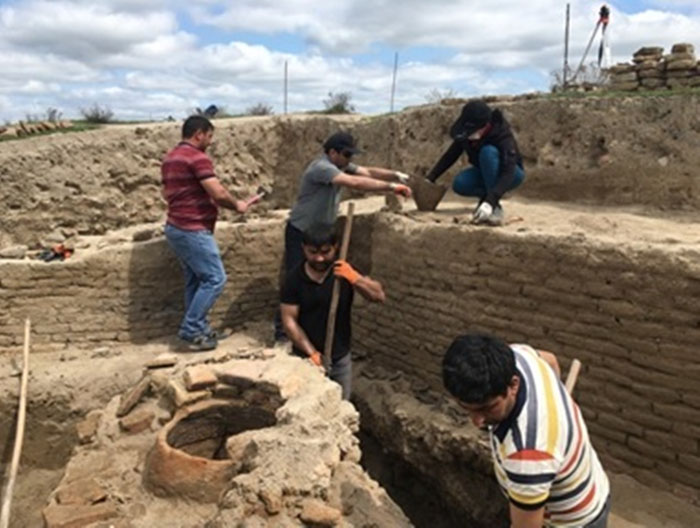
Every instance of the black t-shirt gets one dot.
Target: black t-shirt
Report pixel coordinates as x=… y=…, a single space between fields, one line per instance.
x=314 y=301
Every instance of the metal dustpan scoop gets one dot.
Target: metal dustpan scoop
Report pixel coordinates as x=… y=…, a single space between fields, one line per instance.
x=427 y=194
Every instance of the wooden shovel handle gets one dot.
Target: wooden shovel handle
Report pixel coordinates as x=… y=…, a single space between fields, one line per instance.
x=332 y=312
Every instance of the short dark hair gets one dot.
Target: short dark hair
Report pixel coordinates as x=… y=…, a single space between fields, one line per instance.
x=194 y=124
x=319 y=235
x=477 y=367
x=341 y=142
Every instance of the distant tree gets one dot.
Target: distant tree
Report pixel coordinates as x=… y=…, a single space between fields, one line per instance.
x=436 y=96
x=53 y=114
x=259 y=109
x=338 y=103
x=97 y=114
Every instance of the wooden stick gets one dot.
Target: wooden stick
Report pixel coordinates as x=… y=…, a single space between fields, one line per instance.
x=332 y=312
x=19 y=435
x=572 y=376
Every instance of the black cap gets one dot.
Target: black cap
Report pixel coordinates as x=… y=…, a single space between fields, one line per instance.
x=341 y=142
x=475 y=115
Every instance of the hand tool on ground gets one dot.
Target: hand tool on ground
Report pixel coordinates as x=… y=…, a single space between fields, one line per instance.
x=19 y=434
x=332 y=312
x=572 y=376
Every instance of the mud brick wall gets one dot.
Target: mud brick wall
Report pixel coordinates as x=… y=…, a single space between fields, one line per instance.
x=134 y=292
x=631 y=315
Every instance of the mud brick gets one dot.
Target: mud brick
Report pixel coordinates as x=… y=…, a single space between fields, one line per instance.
x=679 y=474
x=84 y=491
x=686 y=415
x=181 y=396
x=689 y=461
x=317 y=513
x=77 y=516
x=137 y=421
x=199 y=377
x=87 y=429
x=130 y=399
x=647 y=419
x=164 y=360
x=649 y=450
x=672 y=442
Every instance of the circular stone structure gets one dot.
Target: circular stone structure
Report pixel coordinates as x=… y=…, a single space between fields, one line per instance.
x=190 y=459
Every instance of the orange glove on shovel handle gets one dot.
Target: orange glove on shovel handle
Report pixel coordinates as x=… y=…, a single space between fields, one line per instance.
x=316 y=359
x=343 y=270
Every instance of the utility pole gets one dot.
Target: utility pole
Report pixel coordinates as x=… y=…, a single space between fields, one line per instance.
x=566 y=47
x=393 y=81
x=286 y=84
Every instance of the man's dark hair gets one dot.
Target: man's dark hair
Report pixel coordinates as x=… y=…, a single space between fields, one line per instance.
x=477 y=367
x=194 y=124
x=319 y=235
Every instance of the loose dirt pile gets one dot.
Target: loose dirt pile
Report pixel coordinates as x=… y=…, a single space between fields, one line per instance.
x=599 y=151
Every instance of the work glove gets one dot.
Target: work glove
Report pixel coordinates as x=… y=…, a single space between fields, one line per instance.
x=482 y=213
x=400 y=189
x=343 y=270
x=402 y=177
x=316 y=359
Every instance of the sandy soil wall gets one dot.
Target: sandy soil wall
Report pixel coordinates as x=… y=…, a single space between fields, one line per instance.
x=598 y=151
x=132 y=292
x=631 y=316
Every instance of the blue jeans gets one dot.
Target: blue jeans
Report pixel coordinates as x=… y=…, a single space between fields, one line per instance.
x=204 y=273
x=478 y=181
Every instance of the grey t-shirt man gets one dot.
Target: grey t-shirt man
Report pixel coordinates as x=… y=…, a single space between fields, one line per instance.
x=318 y=199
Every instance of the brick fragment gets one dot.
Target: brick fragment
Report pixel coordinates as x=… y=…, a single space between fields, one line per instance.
x=199 y=377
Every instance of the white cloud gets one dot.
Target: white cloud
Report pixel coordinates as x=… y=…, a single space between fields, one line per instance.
x=136 y=57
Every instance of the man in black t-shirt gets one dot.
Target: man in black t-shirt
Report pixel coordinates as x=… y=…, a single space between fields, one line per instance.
x=306 y=299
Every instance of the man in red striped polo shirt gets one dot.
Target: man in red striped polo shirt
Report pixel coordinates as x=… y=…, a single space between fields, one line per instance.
x=194 y=194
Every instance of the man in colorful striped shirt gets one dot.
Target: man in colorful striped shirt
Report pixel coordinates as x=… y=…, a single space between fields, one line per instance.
x=543 y=457
x=194 y=194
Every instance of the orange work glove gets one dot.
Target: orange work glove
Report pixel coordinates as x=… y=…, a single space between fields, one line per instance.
x=316 y=359
x=343 y=270
x=401 y=190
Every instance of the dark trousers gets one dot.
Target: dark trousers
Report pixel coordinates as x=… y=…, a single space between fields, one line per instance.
x=293 y=256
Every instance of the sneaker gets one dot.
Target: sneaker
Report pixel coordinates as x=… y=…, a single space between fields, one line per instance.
x=200 y=343
x=220 y=334
x=496 y=218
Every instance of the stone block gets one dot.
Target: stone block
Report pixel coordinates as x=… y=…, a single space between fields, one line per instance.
x=14 y=252
x=199 y=377
x=181 y=396
x=317 y=513
x=84 y=491
x=649 y=50
x=683 y=47
x=87 y=429
x=133 y=396
x=243 y=374
x=137 y=421
x=624 y=77
x=621 y=68
x=683 y=64
x=77 y=516
x=624 y=87
x=164 y=360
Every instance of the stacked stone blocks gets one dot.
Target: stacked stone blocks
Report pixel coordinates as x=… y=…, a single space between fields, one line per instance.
x=652 y=70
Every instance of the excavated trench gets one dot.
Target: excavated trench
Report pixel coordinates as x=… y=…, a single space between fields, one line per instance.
x=610 y=270
x=418 y=494
x=49 y=441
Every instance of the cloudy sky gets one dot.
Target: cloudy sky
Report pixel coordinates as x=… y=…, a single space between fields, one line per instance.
x=154 y=58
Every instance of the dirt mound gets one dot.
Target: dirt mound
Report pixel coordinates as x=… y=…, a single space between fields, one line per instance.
x=597 y=151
